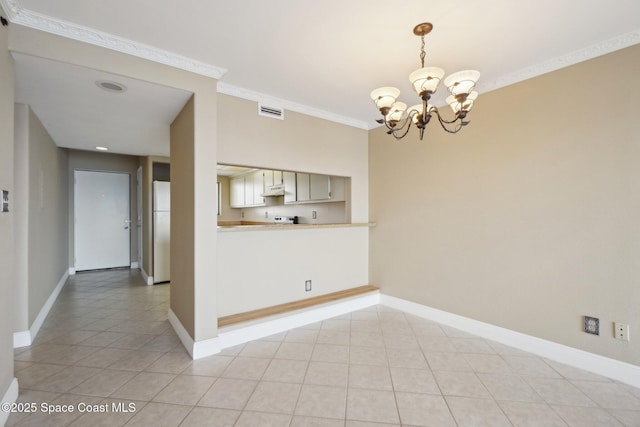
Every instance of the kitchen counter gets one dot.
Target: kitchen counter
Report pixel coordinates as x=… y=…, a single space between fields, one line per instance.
x=270 y=226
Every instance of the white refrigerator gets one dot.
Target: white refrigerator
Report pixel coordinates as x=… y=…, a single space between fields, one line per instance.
x=161 y=231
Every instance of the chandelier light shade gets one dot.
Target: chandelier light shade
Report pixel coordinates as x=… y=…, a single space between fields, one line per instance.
x=425 y=80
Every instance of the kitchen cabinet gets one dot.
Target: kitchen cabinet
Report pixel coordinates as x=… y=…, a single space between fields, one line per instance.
x=306 y=188
x=319 y=187
x=289 y=180
x=338 y=188
x=246 y=190
x=236 y=190
x=272 y=178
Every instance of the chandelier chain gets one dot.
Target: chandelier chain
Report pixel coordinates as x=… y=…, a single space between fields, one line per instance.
x=422 y=53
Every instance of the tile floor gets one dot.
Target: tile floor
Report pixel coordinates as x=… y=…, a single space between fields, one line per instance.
x=107 y=341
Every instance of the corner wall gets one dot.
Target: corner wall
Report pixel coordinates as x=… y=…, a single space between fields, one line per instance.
x=528 y=218
x=8 y=387
x=41 y=226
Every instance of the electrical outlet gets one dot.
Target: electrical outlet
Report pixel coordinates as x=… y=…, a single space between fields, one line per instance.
x=621 y=331
x=592 y=325
x=314 y=214
x=266 y=214
x=307 y=285
x=242 y=214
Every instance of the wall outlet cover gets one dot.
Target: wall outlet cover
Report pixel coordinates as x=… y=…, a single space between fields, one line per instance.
x=621 y=331
x=592 y=325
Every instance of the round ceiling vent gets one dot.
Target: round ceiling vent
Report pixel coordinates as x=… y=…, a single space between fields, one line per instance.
x=111 y=86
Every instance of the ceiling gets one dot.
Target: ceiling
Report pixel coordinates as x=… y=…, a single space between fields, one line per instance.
x=318 y=57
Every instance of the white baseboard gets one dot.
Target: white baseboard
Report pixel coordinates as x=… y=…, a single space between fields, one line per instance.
x=10 y=396
x=21 y=339
x=230 y=337
x=72 y=271
x=134 y=265
x=147 y=279
x=196 y=350
x=607 y=367
x=25 y=338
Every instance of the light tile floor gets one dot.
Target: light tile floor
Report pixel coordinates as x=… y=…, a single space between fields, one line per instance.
x=107 y=342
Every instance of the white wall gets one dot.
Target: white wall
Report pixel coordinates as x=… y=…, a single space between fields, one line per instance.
x=257 y=269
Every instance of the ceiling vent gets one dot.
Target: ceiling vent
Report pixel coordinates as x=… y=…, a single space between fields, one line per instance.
x=273 y=112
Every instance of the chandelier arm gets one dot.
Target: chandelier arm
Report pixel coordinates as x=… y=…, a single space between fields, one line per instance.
x=396 y=127
x=405 y=132
x=444 y=123
x=442 y=120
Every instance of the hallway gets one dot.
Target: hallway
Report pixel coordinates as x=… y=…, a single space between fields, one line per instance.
x=107 y=345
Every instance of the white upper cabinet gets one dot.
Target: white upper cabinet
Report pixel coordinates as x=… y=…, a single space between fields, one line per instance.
x=246 y=190
x=319 y=187
x=236 y=190
x=289 y=180
x=337 y=186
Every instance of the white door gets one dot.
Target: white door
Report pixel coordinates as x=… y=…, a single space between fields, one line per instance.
x=102 y=222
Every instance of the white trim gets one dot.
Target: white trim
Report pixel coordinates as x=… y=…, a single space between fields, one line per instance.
x=134 y=265
x=182 y=333
x=25 y=338
x=72 y=271
x=601 y=48
x=196 y=350
x=251 y=95
x=611 y=368
x=10 y=396
x=147 y=279
x=206 y=348
x=21 y=339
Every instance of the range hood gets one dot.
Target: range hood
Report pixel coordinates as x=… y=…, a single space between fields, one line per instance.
x=273 y=191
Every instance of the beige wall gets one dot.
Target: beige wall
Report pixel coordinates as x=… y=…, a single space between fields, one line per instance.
x=105 y=162
x=527 y=219
x=7 y=265
x=297 y=143
x=20 y=206
x=182 y=221
x=48 y=216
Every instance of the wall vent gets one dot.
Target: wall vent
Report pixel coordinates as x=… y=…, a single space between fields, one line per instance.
x=273 y=112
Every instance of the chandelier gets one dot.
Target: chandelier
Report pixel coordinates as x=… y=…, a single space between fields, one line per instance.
x=425 y=80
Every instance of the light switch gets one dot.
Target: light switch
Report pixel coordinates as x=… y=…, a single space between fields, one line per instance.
x=5 y=201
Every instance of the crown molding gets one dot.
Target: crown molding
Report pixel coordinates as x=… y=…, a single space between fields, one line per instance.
x=10 y=7
x=84 y=34
x=272 y=101
x=602 y=48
